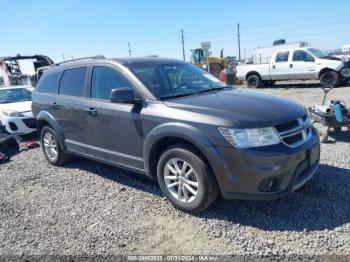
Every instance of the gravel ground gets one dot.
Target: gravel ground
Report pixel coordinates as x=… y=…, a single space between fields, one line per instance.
x=87 y=208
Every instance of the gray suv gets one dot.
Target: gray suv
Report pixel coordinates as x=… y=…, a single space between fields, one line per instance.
x=177 y=124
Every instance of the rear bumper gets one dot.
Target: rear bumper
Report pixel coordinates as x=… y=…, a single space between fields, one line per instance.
x=265 y=173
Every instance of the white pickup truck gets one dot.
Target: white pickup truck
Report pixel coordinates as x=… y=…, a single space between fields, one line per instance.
x=296 y=64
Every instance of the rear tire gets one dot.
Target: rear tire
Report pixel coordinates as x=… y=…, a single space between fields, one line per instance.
x=215 y=69
x=190 y=191
x=254 y=81
x=52 y=147
x=329 y=79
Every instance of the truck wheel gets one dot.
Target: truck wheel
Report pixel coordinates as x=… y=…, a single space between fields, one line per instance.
x=329 y=79
x=186 y=180
x=254 y=81
x=215 y=69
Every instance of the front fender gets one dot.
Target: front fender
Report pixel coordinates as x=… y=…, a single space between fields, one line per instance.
x=175 y=130
x=48 y=118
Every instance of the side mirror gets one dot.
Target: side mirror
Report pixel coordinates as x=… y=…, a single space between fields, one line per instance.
x=123 y=95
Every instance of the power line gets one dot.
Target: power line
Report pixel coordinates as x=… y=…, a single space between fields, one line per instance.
x=261 y=40
x=284 y=30
x=322 y=19
x=183 y=45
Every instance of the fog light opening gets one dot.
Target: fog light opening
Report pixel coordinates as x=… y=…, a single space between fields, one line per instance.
x=270 y=185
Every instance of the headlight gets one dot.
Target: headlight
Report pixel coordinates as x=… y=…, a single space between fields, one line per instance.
x=345 y=72
x=12 y=113
x=244 y=138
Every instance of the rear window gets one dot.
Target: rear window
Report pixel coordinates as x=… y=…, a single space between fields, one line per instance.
x=73 y=82
x=49 y=83
x=282 y=57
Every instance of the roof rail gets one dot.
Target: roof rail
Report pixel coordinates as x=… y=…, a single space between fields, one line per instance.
x=81 y=58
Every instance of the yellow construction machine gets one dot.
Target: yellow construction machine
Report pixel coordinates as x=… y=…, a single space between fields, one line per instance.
x=201 y=58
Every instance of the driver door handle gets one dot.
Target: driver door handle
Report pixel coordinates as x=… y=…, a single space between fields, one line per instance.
x=91 y=111
x=54 y=105
x=291 y=65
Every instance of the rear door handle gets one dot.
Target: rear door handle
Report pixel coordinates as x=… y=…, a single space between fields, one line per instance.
x=91 y=111
x=54 y=105
x=273 y=67
x=291 y=65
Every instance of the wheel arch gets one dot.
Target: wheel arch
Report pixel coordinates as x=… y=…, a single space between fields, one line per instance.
x=166 y=135
x=324 y=70
x=46 y=119
x=252 y=73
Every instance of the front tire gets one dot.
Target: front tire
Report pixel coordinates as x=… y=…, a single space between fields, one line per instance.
x=254 y=81
x=52 y=148
x=186 y=180
x=329 y=79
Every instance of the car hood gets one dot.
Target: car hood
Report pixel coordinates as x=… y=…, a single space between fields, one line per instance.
x=19 y=106
x=333 y=63
x=241 y=108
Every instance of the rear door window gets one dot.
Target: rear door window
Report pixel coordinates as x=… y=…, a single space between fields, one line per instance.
x=49 y=83
x=104 y=79
x=73 y=82
x=282 y=57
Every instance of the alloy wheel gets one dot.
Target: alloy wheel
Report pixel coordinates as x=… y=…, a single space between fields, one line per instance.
x=181 y=180
x=50 y=146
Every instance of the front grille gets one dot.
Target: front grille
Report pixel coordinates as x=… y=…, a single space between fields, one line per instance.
x=286 y=126
x=295 y=133
x=293 y=139
x=13 y=126
x=30 y=122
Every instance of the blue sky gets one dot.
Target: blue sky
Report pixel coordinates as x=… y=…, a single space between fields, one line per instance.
x=82 y=28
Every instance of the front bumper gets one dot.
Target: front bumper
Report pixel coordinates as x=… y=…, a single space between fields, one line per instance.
x=265 y=173
x=19 y=125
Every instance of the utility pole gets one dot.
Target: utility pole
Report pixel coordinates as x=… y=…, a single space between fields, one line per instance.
x=129 y=49
x=183 y=45
x=63 y=58
x=239 y=43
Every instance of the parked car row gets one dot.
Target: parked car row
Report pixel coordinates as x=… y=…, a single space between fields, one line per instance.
x=177 y=124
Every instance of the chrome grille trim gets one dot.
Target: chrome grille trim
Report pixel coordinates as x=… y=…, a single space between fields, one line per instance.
x=303 y=129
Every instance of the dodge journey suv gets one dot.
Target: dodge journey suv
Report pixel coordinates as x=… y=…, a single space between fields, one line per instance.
x=177 y=124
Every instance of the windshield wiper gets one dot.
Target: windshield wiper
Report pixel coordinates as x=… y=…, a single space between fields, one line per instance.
x=176 y=95
x=213 y=89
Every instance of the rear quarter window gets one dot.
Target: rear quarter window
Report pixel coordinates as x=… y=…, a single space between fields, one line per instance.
x=49 y=83
x=73 y=82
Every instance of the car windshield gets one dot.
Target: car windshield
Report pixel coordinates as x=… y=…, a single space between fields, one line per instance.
x=176 y=79
x=317 y=52
x=15 y=95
